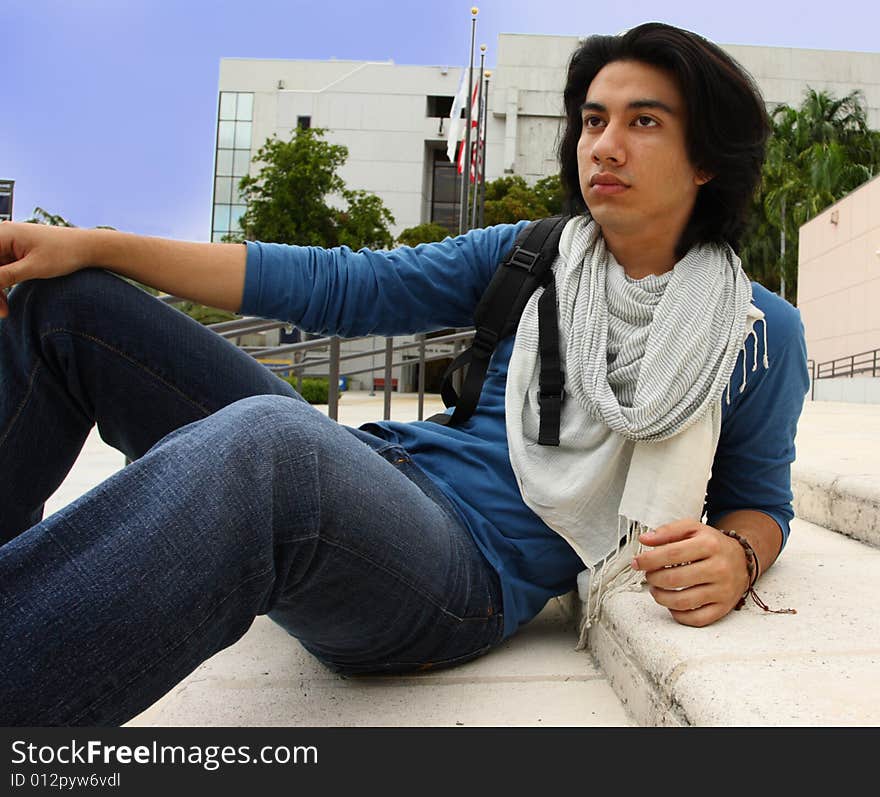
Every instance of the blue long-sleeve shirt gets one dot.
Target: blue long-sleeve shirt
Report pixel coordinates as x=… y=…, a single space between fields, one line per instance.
x=435 y=286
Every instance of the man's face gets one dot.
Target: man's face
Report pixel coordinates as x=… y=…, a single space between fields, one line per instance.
x=634 y=170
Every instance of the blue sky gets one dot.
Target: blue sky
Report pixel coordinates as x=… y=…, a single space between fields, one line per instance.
x=109 y=105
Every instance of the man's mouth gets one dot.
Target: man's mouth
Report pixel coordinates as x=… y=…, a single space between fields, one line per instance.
x=607 y=183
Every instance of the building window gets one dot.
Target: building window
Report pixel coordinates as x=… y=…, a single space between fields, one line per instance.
x=243 y=135
x=244 y=109
x=303 y=122
x=227 y=104
x=445 y=190
x=233 y=156
x=439 y=106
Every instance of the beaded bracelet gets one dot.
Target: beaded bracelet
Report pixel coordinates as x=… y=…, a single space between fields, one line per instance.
x=754 y=569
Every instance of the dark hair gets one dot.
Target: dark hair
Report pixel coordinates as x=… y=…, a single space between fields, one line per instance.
x=726 y=127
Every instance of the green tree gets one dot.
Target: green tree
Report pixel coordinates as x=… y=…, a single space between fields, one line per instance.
x=204 y=314
x=510 y=199
x=40 y=216
x=289 y=200
x=549 y=192
x=314 y=390
x=816 y=155
x=365 y=222
x=423 y=234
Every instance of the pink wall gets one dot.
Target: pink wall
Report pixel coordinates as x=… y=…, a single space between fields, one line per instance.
x=839 y=276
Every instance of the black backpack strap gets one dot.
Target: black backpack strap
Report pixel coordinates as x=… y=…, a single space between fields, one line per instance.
x=476 y=358
x=551 y=380
x=526 y=266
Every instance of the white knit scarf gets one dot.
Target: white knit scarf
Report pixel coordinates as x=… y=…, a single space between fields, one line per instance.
x=646 y=363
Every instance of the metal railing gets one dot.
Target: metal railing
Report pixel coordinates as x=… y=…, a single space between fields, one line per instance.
x=428 y=350
x=862 y=364
x=811 y=364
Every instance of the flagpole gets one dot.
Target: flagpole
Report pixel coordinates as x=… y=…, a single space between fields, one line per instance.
x=475 y=157
x=482 y=174
x=465 y=180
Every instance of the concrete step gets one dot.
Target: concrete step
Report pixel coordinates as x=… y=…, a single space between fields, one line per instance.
x=836 y=476
x=267 y=679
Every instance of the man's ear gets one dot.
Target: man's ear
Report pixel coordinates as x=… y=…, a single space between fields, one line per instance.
x=701 y=177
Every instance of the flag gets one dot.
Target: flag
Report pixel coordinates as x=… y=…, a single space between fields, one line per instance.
x=455 y=124
x=475 y=115
x=476 y=159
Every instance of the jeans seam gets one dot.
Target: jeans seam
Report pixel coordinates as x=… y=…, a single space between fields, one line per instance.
x=405 y=582
x=12 y=421
x=171 y=650
x=140 y=366
x=31 y=379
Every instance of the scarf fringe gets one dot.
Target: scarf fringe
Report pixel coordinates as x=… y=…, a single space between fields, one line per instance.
x=765 y=362
x=620 y=576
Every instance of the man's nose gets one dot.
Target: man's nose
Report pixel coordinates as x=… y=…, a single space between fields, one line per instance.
x=608 y=147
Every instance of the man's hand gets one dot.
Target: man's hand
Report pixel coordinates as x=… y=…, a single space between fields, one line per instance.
x=694 y=570
x=39 y=251
x=208 y=273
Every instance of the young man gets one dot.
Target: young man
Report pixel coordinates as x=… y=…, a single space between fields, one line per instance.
x=403 y=546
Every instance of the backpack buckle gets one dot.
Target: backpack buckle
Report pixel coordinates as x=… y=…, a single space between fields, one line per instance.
x=550 y=404
x=551 y=401
x=523 y=258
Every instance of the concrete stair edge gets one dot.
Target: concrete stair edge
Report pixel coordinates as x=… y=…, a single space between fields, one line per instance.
x=848 y=505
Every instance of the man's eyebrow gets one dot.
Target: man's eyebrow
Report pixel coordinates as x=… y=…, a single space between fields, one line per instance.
x=634 y=105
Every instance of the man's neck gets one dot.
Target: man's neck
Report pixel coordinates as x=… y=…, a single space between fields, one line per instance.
x=640 y=257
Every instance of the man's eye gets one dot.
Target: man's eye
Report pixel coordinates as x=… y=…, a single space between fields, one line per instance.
x=646 y=121
x=592 y=121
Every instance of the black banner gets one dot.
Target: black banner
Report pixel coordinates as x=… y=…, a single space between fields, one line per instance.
x=136 y=761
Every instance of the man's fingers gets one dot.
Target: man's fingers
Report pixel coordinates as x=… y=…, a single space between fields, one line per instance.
x=699 y=618
x=31 y=266
x=684 y=600
x=7 y=239
x=12 y=273
x=695 y=607
x=690 y=575
x=674 y=553
x=671 y=532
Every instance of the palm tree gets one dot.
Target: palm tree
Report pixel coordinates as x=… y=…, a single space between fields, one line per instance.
x=816 y=155
x=41 y=216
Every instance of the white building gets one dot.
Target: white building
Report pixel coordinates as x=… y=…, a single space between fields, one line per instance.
x=393 y=118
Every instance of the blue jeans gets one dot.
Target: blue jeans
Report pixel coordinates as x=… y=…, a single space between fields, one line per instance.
x=241 y=500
